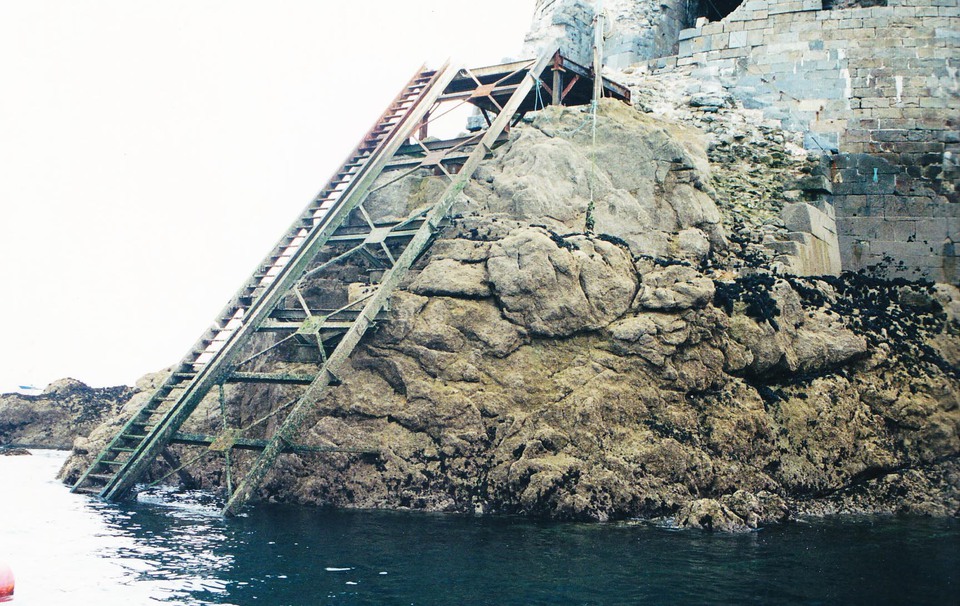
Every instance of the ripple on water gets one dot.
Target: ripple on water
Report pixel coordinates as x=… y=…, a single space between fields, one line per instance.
x=172 y=546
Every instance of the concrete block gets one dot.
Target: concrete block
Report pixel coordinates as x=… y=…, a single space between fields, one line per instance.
x=621 y=60
x=886 y=112
x=904 y=230
x=885 y=184
x=900 y=249
x=935 y=231
x=803 y=217
x=800 y=237
x=934 y=102
x=814 y=185
x=912 y=207
x=798 y=217
x=950 y=35
x=738 y=39
x=825 y=142
x=852 y=206
x=711 y=29
x=826 y=206
x=868 y=163
x=786 y=247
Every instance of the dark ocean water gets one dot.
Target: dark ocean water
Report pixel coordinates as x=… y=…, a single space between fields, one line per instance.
x=67 y=549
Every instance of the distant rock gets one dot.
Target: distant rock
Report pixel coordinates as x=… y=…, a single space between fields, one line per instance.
x=64 y=410
x=14 y=452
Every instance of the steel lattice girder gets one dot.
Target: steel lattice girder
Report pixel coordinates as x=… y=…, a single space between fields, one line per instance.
x=333 y=233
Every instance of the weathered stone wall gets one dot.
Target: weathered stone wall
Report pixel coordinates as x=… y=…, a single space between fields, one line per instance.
x=876 y=89
x=635 y=31
x=871 y=83
x=813 y=246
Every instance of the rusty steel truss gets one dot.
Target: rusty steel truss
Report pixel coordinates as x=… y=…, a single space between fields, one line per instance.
x=337 y=234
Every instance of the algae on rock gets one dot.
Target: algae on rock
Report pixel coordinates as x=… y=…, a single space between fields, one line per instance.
x=528 y=367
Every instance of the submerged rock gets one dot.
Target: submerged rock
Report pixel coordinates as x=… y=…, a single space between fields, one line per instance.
x=709 y=514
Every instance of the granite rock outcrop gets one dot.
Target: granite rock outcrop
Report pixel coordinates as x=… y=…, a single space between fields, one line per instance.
x=64 y=410
x=587 y=340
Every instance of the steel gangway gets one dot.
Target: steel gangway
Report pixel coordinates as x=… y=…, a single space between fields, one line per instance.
x=335 y=228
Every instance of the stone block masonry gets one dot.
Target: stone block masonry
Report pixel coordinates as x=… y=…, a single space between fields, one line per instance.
x=878 y=91
x=814 y=230
x=636 y=30
x=911 y=234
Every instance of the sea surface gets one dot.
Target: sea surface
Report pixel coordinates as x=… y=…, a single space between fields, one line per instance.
x=174 y=548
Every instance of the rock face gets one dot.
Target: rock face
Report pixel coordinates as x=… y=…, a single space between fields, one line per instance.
x=584 y=342
x=646 y=181
x=563 y=377
x=634 y=30
x=724 y=405
x=65 y=410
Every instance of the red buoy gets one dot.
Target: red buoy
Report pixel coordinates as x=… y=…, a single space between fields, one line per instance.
x=6 y=583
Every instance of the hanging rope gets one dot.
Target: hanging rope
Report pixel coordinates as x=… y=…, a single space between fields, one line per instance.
x=589 y=222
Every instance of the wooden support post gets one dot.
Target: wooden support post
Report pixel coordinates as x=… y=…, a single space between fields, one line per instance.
x=557 y=99
x=423 y=131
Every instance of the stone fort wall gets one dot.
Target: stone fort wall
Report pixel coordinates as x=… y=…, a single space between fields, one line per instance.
x=874 y=89
x=877 y=90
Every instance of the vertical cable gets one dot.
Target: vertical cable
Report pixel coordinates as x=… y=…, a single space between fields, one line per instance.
x=597 y=92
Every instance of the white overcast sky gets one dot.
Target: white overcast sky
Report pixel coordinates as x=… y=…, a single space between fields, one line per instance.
x=152 y=151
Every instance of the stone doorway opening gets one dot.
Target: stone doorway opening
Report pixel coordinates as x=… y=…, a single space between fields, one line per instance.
x=715 y=10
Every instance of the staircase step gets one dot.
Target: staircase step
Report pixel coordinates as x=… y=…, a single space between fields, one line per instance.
x=140 y=440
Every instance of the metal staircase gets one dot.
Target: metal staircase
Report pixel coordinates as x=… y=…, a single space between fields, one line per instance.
x=141 y=439
x=333 y=231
